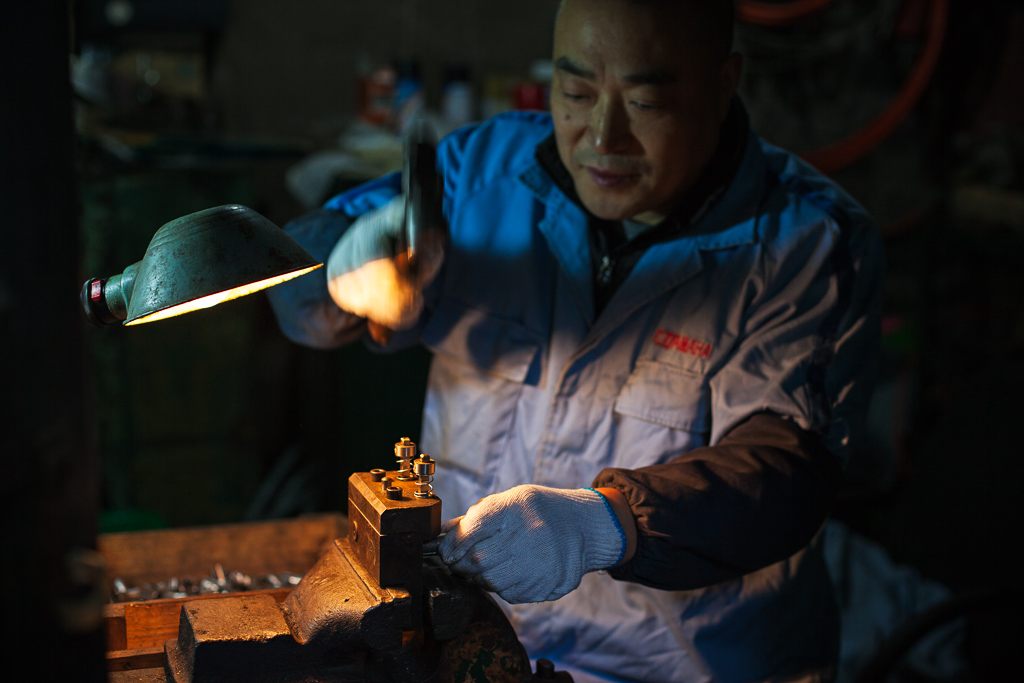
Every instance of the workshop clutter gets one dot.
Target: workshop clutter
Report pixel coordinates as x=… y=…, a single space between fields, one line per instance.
x=390 y=94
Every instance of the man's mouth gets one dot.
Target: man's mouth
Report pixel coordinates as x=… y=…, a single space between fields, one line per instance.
x=610 y=179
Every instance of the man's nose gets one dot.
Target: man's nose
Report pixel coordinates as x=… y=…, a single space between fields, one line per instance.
x=609 y=126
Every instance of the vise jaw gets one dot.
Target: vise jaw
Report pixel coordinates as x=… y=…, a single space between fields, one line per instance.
x=387 y=530
x=369 y=588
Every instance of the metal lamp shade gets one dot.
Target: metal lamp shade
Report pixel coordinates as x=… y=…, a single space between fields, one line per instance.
x=210 y=256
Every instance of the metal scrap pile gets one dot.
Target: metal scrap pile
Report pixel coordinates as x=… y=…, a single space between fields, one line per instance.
x=218 y=581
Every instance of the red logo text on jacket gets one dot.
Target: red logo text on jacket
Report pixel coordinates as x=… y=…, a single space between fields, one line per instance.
x=682 y=343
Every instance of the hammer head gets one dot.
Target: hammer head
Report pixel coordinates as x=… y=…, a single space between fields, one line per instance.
x=424 y=189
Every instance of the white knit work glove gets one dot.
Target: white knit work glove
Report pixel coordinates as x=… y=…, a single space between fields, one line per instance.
x=534 y=543
x=366 y=277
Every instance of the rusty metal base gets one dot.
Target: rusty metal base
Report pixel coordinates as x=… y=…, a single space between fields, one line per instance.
x=339 y=626
x=247 y=639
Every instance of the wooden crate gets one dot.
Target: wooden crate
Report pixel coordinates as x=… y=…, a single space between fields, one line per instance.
x=136 y=631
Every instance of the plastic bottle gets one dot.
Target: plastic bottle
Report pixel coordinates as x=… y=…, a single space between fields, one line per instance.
x=458 y=104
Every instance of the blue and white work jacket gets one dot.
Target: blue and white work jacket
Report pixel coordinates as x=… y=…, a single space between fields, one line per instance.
x=766 y=303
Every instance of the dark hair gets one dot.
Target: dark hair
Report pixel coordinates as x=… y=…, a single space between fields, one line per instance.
x=716 y=17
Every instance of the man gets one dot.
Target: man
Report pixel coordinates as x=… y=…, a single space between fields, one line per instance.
x=640 y=296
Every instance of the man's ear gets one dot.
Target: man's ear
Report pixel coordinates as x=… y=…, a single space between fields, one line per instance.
x=728 y=81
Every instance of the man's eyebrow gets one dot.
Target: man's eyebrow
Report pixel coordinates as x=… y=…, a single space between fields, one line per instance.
x=570 y=67
x=653 y=77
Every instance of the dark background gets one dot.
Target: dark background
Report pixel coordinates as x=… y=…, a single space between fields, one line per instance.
x=215 y=417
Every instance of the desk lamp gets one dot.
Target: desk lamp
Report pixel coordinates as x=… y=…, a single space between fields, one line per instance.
x=197 y=261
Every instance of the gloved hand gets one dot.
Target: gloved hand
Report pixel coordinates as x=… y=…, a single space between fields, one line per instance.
x=534 y=543
x=366 y=277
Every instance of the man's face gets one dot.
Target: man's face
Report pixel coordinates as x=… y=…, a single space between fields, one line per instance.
x=637 y=103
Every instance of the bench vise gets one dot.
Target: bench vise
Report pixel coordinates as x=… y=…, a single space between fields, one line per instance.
x=375 y=606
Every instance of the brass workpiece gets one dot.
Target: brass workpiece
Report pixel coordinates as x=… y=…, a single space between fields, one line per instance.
x=423 y=468
x=387 y=528
x=405 y=451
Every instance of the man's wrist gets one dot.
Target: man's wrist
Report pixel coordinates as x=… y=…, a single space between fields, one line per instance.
x=620 y=507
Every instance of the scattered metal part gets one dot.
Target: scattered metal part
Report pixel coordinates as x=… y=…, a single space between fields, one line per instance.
x=377 y=474
x=405 y=451
x=219 y=581
x=423 y=468
x=167 y=589
x=218 y=572
x=393 y=492
x=240 y=581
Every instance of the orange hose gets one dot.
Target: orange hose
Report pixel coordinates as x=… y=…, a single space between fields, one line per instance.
x=777 y=14
x=839 y=155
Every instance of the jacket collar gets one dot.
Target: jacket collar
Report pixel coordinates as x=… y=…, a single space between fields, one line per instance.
x=564 y=226
x=726 y=218
x=726 y=221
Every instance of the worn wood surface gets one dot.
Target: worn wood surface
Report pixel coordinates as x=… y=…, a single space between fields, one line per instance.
x=114 y=626
x=154 y=675
x=139 y=625
x=290 y=545
x=135 y=660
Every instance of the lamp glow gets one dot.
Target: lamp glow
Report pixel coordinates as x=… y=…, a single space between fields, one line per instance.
x=211 y=300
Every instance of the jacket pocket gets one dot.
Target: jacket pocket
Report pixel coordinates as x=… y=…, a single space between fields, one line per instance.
x=492 y=345
x=665 y=395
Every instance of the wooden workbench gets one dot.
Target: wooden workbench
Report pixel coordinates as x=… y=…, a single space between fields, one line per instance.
x=136 y=631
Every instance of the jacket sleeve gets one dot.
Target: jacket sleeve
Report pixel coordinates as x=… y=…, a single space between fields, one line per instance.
x=305 y=311
x=808 y=343
x=786 y=404
x=719 y=512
